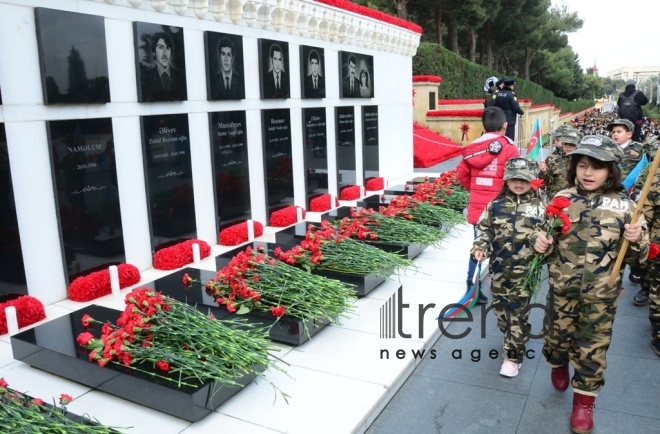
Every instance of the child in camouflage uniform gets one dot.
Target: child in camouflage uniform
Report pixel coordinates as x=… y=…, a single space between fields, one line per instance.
x=503 y=234
x=581 y=303
x=621 y=131
x=553 y=171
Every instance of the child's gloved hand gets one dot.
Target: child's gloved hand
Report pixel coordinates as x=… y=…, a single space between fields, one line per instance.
x=542 y=243
x=478 y=255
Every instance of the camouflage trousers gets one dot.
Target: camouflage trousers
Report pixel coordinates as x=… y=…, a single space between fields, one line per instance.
x=652 y=275
x=579 y=331
x=512 y=320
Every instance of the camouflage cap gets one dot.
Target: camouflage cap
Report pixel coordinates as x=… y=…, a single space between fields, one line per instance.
x=561 y=129
x=621 y=122
x=521 y=168
x=572 y=137
x=650 y=146
x=600 y=147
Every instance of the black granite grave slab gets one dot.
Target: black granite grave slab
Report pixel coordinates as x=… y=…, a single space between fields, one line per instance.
x=84 y=171
x=293 y=234
x=12 y=270
x=345 y=139
x=400 y=190
x=169 y=180
x=231 y=169
x=370 y=148
x=420 y=180
x=278 y=163
x=287 y=330
x=315 y=152
x=72 y=57
x=52 y=347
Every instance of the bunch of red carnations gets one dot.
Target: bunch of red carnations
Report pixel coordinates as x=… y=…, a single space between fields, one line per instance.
x=422 y=212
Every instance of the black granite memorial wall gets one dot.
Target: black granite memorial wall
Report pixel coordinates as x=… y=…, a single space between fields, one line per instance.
x=316 y=152
x=169 y=183
x=231 y=169
x=345 y=136
x=87 y=196
x=370 y=146
x=72 y=57
x=12 y=271
x=278 y=163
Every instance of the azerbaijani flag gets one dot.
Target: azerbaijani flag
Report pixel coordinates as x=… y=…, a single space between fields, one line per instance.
x=536 y=142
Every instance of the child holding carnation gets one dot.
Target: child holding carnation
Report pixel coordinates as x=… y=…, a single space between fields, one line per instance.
x=503 y=232
x=581 y=302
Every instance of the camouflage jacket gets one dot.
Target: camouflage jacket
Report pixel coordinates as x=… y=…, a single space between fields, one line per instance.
x=583 y=259
x=554 y=178
x=503 y=233
x=631 y=156
x=651 y=206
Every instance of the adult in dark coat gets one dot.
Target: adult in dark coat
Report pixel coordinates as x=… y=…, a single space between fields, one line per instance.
x=314 y=82
x=227 y=84
x=276 y=82
x=506 y=100
x=351 y=84
x=163 y=82
x=640 y=100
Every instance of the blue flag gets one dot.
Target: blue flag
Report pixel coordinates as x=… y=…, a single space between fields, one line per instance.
x=632 y=176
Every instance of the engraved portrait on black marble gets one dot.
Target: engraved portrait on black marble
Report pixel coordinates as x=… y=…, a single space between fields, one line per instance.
x=356 y=72
x=370 y=156
x=169 y=182
x=316 y=152
x=312 y=71
x=345 y=136
x=278 y=163
x=225 y=79
x=160 y=61
x=72 y=57
x=274 y=69
x=85 y=173
x=12 y=271
x=231 y=171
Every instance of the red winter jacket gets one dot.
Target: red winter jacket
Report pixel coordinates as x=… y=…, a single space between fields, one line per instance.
x=482 y=170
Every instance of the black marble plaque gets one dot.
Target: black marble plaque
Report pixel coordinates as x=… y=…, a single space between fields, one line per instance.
x=52 y=347
x=370 y=141
x=356 y=72
x=85 y=177
x=72 y=57
x=12 y=271
x=160 y=61
x=312 y=71
x=224 y=66
x=278 y=163
x=166 y=152
x=316 y=152
x=345 y=136
x=230 y=167
x=274 y=69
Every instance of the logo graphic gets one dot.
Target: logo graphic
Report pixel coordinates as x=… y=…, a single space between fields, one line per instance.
x=388 y=318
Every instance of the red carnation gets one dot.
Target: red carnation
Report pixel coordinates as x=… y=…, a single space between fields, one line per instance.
x=560 y=202
x=654 y=250
x=277 y=311
x=3 y=383
x=65 y=399
x=231 y=308
x=565 y=223
x=187 y=280
x=38 y=401
x=87 y=320
x=84 y=338
x=536 y=183
x=163 y=366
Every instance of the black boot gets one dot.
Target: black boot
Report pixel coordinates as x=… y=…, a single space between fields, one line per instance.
x=641 y=298
x=635 y=275
x=482 y=299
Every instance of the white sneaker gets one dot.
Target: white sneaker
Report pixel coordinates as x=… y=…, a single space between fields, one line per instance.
x=509 y=368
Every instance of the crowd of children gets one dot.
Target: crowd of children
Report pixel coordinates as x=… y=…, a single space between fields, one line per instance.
x=585 y=173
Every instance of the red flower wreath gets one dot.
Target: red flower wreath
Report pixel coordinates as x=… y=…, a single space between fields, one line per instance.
x=350 y=192
x=237 y=234
x=28 y=311
x=285 y=216
x=179 y=255
x=322 y=203
x=375 y=184
x=97 y=284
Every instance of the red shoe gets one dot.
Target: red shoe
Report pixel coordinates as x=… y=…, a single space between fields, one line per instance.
x=582 y=419
x=560 y=378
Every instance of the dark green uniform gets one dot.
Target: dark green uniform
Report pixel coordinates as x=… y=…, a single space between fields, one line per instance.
x=554 y=178
x=631 y=156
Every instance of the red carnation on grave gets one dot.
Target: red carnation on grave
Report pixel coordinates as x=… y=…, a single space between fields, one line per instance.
x=87 y=320
x=237 y=234
x=179 y=254
x=322 y=203
x=285 y=216
x=187 y=280
x=375 y=184
x=84 y=338
x=97 y=284
x=654 y=250
x=3 y=383
x=277 y=311
x=29 y=310
x=350 y=192
x=37 y=401
x=163 y=366
x=65 y=399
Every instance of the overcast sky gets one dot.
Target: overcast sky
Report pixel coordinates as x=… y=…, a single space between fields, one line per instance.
x=601 y=38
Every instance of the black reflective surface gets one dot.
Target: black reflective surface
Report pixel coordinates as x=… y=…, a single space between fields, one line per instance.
x=166 y=151
x=72 y=57
x=276 y=127
x=345 y=134
x=370 y=141
x=225 y=79
x=52 y=347
x=85 y=176
x=312 y=71
x=356 y=72
x=315 y=152
x=12 y=271
x=160 y=62
x=230 y=167
x=274 y=72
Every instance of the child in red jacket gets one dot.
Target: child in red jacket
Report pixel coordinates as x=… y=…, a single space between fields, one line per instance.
x=482 y=171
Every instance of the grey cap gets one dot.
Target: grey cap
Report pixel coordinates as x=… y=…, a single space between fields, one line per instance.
x=629 y=82
x=521 y=168
x=561 y=129
x=621 y=122
x=600 y=147
x=571 y=137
